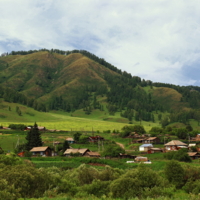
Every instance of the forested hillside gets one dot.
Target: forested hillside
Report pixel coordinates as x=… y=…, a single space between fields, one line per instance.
x=72 y=80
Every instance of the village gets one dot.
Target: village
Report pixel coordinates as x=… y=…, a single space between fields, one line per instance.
x=143 y=144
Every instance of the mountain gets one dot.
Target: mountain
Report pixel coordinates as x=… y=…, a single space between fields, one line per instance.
x=72 y=80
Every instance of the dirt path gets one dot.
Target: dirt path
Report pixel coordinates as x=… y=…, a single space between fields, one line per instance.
x=121 y=145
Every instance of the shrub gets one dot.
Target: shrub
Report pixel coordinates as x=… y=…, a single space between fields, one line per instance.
x=174 y=173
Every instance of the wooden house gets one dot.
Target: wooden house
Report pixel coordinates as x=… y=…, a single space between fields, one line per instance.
x=70 y=140
x=41 y=151
x=126 y=156
x=152 y=140
x=95 y=139
x=92 y=154
x=155 y=150
x=197 y=137
x=194 y=155
x=175 y=145
x=21 y=154
x=145 y=147
x=81 y=152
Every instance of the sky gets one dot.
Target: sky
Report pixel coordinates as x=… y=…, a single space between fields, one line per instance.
x=157 y=40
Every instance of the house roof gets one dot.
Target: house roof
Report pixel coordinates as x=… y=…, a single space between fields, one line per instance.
x=175 y=143
x=35 y=149
x=93 y=153
x=151 y=138
x=69 y=139
x=81 y=151
x=192 y=153
x=146 y=145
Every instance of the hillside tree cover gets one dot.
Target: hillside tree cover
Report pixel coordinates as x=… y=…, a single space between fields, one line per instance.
x=124 y=93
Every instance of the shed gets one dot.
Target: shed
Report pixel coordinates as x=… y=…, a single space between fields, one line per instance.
x=145 y=147
x=42 y=151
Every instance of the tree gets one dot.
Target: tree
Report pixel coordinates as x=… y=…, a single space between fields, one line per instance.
x=165 y=122
x=113 y=150
x=174 y=173
x=65 y=146
x=33 y=138
x=77 y=136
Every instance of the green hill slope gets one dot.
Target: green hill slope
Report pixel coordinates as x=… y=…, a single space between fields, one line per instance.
x=79 y=82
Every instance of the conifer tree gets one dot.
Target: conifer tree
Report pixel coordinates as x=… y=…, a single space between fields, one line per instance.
x=33 y=138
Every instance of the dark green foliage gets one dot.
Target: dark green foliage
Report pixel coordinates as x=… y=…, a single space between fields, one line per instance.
x=140 y=182
x=182 y=133
x=174 y=173
x=17 y=126
x=77 y=136
x=155 y=131
x=33 y=138
x=29 y=181
x=65 y=146
x=165 y=122
x=18 y=111
x=113 y=150
x=180 y=155
x=83 y=139
x=126 y=130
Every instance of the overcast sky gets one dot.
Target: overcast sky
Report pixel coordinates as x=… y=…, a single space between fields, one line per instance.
x=157 y=40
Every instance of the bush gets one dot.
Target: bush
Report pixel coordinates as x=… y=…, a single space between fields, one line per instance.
x=180 y=155
x=174 y=173
x=113 y=150
x=140 y=182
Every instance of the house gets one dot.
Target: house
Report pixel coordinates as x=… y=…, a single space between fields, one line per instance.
x=21 y=154
x=194 y=155
x=92 y=154
x=81 y=152
x=175 y=145
x=126 y=156
x=41 y=151
x=40 y=128
x=57 y=142
x=197 y=137
x=152 y=140
x=145 y=147
x=141 y=159
x=70 y=140
x=191 y=146
x=95 y=139
x=155 y=150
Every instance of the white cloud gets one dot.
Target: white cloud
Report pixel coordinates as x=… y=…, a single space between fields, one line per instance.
x=155 y=40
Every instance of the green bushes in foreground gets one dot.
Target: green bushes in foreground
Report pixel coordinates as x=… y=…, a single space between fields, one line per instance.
x=20 y=179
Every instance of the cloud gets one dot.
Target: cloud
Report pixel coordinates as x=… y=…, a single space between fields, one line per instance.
x=156 y=40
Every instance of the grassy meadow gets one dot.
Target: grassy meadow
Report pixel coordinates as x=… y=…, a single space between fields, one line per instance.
x=76 y=121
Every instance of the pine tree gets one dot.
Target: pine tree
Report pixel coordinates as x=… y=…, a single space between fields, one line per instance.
x=33 y=138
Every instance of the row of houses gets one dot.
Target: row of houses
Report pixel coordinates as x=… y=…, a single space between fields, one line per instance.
x=46 y=151
x=170 y=146
x=173 y=145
